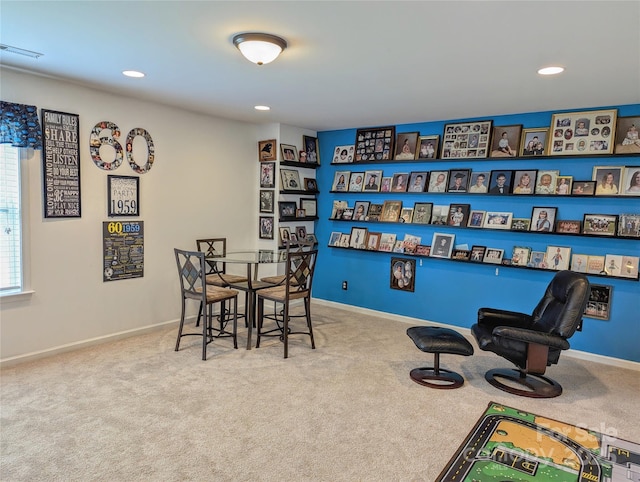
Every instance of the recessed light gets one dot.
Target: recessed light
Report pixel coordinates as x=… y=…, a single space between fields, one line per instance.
x=133 y=73
x=551 y=70
x=262 y=107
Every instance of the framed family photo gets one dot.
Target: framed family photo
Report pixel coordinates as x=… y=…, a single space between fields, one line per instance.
x=546 y=182
x=289 y=153
x=600 y=224
x=360 y=210
x=479 y=182
x=520 y=224
x=356 y=182
x=406 y=145
x=428 y=147
x=266 y=227
x=533 y=142
x=403 y=274
x=290 y=179
x=391 y=211
x=458 y=180
x=375 y=144
x=310 y=147
x=629 y=225
x=579 y=133
x=287 y=209
x=497 y=220
x=358 y=238
x=627 y=137
x=466 y=140
x=343 y=154
x=505 y=141
x=476 y=219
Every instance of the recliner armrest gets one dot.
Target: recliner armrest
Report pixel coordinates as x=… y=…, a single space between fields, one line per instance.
x=496 y=317
x=530 y=336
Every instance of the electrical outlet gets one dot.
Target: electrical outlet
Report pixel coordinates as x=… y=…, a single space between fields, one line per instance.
x=344 y=285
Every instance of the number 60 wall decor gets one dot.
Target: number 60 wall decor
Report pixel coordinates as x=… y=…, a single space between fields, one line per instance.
x=107 y=133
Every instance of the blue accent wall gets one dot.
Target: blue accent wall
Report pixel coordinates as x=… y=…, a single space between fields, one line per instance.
x=451 y=292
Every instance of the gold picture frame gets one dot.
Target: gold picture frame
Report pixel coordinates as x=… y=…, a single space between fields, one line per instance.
x=582 y=133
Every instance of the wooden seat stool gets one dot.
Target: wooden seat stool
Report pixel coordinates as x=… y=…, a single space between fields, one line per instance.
x=437 y=340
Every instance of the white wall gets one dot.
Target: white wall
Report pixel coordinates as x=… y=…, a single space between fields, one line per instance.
x=203 y=183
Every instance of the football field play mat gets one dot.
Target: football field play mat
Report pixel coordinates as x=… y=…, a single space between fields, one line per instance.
x=508 y=444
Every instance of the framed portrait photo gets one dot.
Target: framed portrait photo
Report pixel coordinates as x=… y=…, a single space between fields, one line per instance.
x=123 y=196
x=372 y=181
x=358 y=238
x=476 y=219
x=543 y=219
x=266 y=175
x=579 y=263
x=428 y=147
x=579 y=133
x=356 y=182
x=343 y=154
x=583 y=188
x=290 y=180
x=441 y=245
x=438 y=181
x=418 y=181
x=546 y=182
x=375 y=144
x=630 y=183
x=400 y=182
x=406 y=144
x=287 y=209
x=501 y=181
x=285 y=235
x=391 y=211
x=466 y=140
x=403 y=274
x=310 y=146
x=422 y=213
x=310 y=184
x=385 y=184
x=563 y=185
x=360 y=210
x=440 y=214
x=375 y=211
x=477 y=253
x=520 y=255
x=600 y=224
x=599 y=302
x=266 y=201
x=289 y=153
x=309 y=205
x=458 y=214
x=627 y=137
x=458 y=180
x=558 y=257
x=505 y=141
x=479 y=182
x=334 y=239
x=629 y=225
x=267 y=150
x=608 y=180
x=266 y=227
x=406 y=215
x=373 y=241
x=533 y=142
x=493 y=256
x=340 y=181
x=524 y=182
x=497 y=220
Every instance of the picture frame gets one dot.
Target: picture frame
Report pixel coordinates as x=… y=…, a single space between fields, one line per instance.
x=289 y=153
x=360 y=210
x=629 y=225
x=428 y=147
x=498 y=220
x=400 y=182
x=600 y=224
x=356 y=182
x=613 y=264
x=398 y=247
x=543 y=219
x=338 y=208
x=520 y=255
x=629 y=267
x=595 y=265
x=358 y=238
x=375 y=211
x=440 y=214
x=406 y=146
x=422 y=213
x=538 y=259
x=438 y=181
x=310 y=184
x=391 y=211
x=466 y=140
x=123 y=196
x=524 y=182
x=630 y=182
x=344 y=240
x=267 y=198
x=372 y=181
x=599 y=302
x=563 y=185
x=267 y=150
x=284 y=235
x=477 y=253
x=301 y=213
x=301 y=233
x=533 y=142
x=501 y=182
x=347 y=214
x=505 y=141
x=410 y=243
x=479 y=182
x=422 y=250
x=387 y=241
x=579 y=263
x=627 y=137
x=476 y=219
x=406 y=215
x=580 y=133
x=310 y=146
x=569 y=226
x=375 y=144
x=520 y=224
x=418 y=181
x=311 y=237
x=267 y=179
x=403 y=274
x=334 y=239
x=385 y=184
x=583 y=188
x=340 y=181
x=310 y=206
x=343 y=154
x=546 y=182
x=461 y=254
x=287 y=209
x=458 y=180
x=458 y=215
x=290 y=180
x=608 y=180
x=442 y=245
x=493 y=256
x=265 y=228
x=373 y=241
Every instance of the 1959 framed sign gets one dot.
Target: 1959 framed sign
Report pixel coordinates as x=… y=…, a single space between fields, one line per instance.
x=123 y=196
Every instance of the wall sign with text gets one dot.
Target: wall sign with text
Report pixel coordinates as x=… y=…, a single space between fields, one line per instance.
x=107 y=152
x=123 y=196
x=61 y=165
x=123 y=250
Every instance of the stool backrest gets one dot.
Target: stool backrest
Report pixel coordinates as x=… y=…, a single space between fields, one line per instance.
x=192 y=272
x=213 y=248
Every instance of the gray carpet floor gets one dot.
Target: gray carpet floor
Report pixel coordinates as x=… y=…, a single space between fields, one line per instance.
x=136 y=410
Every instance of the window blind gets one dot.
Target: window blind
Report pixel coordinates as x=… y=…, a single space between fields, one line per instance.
x=10 y=220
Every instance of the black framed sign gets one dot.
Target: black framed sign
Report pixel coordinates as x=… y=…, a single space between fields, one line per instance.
x=123 y=250
x=61 y=165
x=123 y=196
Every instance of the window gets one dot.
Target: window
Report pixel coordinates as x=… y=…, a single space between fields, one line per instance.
x=10 y=221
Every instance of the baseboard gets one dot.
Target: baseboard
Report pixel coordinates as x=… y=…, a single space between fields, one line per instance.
x=581 y=355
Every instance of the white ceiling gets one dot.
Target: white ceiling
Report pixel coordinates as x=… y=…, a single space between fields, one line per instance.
x=349 y=63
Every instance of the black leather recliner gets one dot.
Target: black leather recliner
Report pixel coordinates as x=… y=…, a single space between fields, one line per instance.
x=533 y=342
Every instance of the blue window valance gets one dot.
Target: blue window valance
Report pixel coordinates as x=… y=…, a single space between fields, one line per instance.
x=19 y=125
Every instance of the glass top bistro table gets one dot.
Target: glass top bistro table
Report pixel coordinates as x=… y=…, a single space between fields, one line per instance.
x=252 y=258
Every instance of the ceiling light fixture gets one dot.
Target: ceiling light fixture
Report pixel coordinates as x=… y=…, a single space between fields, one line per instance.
x=551 y=70
x=259 y=48
x=262 y=107
x=133 y=73
x=19 y=51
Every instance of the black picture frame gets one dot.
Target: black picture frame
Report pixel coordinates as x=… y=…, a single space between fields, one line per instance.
x=524 y=181
x=310 y=206
x=459 y=180
x=494 y=185
x=403 y=274
x=599 y=302
x=428 y=147
x=265 y=227
x=600 y=224
x=375 y=144
x=123 y=196
x=287 y=209
x=310 y=147
x=267 y=198
x=466 y=140
x=542 y=224
x=267 y=179
x=458 y=215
